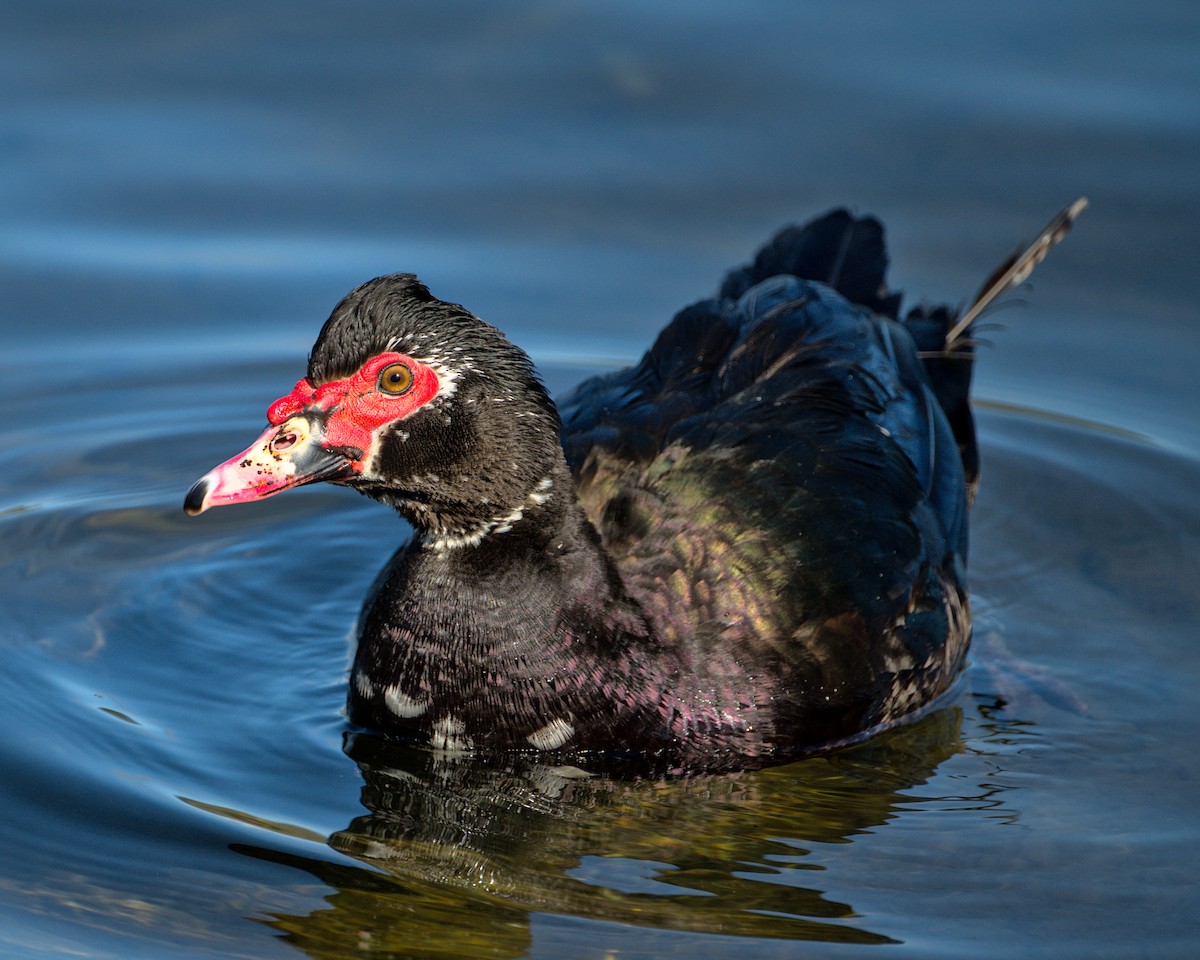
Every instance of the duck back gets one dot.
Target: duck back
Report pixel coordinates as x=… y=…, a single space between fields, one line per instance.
x=780 y=488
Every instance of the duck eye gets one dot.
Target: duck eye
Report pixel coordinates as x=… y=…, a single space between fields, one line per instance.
x=395 y=379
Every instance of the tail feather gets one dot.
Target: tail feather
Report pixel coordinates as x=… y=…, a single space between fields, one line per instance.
x=1016 y=269
x=946 y=341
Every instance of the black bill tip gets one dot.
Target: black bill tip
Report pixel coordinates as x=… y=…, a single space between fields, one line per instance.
x=193 y=503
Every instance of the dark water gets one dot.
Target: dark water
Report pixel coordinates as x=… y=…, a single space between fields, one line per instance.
x=187 y=189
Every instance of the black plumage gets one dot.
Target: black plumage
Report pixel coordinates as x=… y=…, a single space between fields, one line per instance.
x=749 y=546
x=782 y=531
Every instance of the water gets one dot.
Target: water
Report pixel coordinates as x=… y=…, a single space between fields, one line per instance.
x=188 y=189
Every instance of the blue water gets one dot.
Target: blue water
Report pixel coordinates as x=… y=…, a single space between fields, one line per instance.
x=185 y=191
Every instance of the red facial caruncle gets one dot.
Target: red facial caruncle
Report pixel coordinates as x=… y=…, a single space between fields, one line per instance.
x=325 y=432
x=358 y=405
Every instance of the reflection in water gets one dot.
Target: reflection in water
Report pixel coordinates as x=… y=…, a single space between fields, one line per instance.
x=476 y=848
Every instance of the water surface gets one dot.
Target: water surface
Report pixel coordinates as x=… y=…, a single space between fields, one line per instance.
x=188 y=190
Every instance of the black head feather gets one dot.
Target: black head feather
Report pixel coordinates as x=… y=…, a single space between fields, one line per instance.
x=397 y=312
x=475 y=452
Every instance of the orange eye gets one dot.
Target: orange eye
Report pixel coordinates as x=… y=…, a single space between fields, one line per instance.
x=395 y=379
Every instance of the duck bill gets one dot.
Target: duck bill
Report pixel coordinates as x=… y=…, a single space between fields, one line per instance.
x=285 y=456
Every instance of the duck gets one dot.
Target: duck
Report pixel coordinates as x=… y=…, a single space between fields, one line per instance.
x=749 y=547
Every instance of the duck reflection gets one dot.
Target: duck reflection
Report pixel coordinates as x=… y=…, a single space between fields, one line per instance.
x=472 y=859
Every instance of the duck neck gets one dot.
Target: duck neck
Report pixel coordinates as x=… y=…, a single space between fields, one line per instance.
x=542 y=563
x=545 y=511
x=528 y=620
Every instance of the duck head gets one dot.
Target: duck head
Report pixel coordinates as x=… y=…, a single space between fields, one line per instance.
x=410 y=400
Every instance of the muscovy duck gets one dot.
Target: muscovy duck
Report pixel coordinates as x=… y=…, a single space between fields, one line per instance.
x=749 y=547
